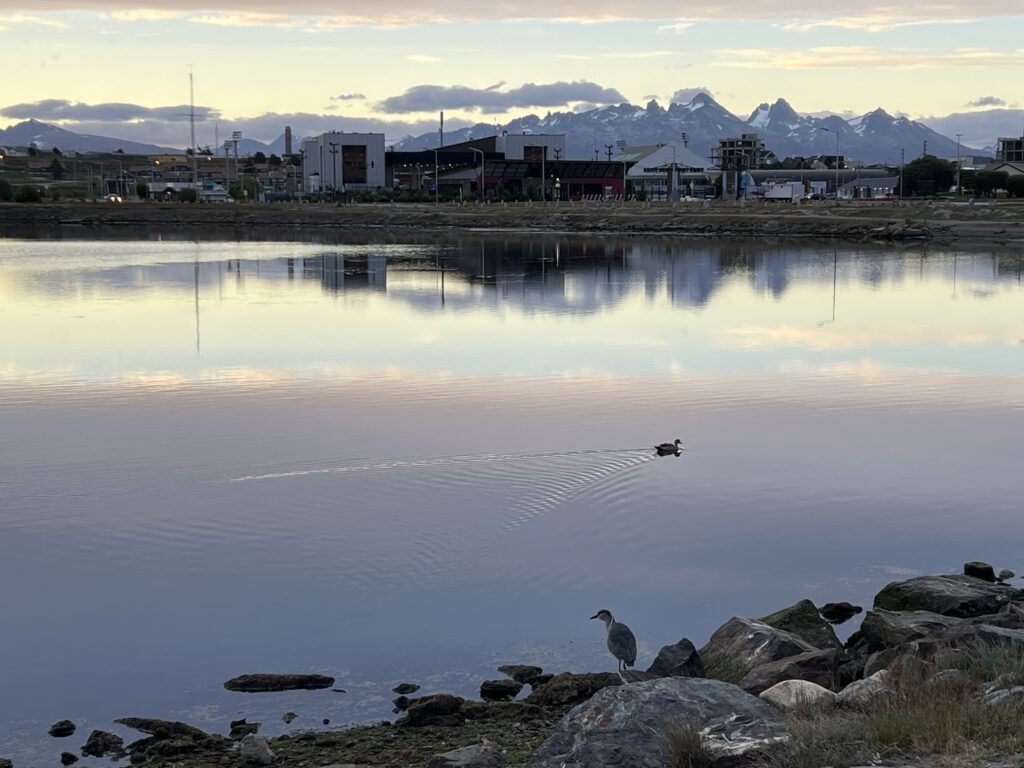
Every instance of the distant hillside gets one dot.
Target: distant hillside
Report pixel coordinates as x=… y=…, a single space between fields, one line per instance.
x=46 y=136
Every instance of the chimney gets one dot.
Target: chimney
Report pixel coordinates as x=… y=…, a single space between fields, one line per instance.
x=288 y=140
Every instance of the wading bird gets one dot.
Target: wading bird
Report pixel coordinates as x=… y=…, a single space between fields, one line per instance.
x=621 y=641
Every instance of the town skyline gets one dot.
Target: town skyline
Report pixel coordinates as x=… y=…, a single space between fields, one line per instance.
x=126 y=67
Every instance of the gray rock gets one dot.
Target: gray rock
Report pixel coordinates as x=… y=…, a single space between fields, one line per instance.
x=255 y=749
x=570 y=688
x=288 y=717
x=262 y=682
x=62 y=728
x=101 y=743
x=790 y=694
x=814 y=666
x=403 y=689
x=5 y=763
x=883 y=629
x=1004 y=696
x=882 y=660
x=961 y=596
x=837 y=613
x=624 y=725
x=164 y=728
x=678 y=660
x=804 y=621
x=980 y=570
x=240 y=729
x=868 y=691
x=752 y=643
x=1005 y=575
x=526 y=674
x=435 y=709
x=950 y=677
x=474 y=756
x=499 y=690
x=68 y=758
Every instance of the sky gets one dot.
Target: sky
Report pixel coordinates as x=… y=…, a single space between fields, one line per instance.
x=121 y=67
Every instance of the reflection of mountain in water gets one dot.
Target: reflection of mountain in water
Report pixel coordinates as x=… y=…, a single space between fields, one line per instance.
x=578 y=275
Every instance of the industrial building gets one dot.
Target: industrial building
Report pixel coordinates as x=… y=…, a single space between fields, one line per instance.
x=337 y=162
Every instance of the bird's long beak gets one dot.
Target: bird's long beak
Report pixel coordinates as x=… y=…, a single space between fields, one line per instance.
x=594 y=616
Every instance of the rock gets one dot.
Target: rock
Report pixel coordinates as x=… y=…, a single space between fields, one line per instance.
x=68 y=758
x=570 y=688
x=499 y=690
x=526 y=674
x=961 y=596
x=1005 y=575
x=790 y=694
x=165 y=728
x=624 y=725
x=255 y=749
x=101 y=743
x=804 y=621
x=62 y=728
x=980 y=570
x=540 y=680
x=868 y=691
x=287 y=717
x=260 y=683
x=882 y=660
x=678 y=660
x=436 y=709
x=169 y=739
x=240 y=729
x=752 y=643
x=883 y=629
x=950 y=677
x=814 y=666
x=837 y=613
x=1014 y=696
x=401 y=704
x=326 y=721
x=405 y=688
x=5 y=763
x=474 y=756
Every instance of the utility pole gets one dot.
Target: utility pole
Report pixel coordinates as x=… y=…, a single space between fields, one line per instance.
x=958 y=162
x=192 y=125
x=902 y=154
x=608 y=150
x=334 y=169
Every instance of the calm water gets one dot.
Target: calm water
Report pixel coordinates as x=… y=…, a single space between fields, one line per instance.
x=417 y=461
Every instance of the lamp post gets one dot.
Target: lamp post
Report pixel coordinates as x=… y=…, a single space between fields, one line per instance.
x=621 y=144
x=830 y=130
x=902 y=154
x=437 y=183
x=543 y=178
x=958 y=162
x=481 y=153
x=334 y=169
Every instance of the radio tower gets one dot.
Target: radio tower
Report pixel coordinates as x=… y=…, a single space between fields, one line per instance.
x=192 y=125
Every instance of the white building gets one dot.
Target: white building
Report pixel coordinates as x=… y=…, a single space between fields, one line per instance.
x=342 y=162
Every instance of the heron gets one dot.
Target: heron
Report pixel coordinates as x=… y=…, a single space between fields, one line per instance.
x=621 y=641
x=669 y=449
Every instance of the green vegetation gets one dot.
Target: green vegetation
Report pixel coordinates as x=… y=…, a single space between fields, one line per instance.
x=142 y=190
x=687 y=746
x=56 y=169
x=984 y=183
x=724 y=667
x=6 y=191
x=28 y=194
x=928 y=176
x=1015 y=185
x=188 y=195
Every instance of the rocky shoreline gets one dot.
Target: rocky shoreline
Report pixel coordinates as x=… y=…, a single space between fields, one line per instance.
x=948 y=647
x=998 y=224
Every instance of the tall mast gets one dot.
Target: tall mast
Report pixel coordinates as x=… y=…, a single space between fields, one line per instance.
x=192 y=124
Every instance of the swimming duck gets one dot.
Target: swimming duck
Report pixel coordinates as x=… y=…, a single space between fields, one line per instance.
x=669 y=449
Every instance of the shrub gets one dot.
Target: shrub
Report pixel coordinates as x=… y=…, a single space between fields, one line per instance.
x=6 y=191
x=28 y=194
x=187 y=195
x=687 y=746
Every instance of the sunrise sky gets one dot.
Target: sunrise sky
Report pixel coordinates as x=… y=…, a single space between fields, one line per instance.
x=121 y=68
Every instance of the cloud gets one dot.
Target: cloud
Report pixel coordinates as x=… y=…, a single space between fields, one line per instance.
x=143 y=14
x=18 y=19
x=64 y=111
x=430 y=98
x=249 y=20
x=681 y=25
x=987 y=101
x=325 y=13
x=865 y=57
x=878 y=22
x=685 y=95
x=348 y=97
x=422 y=58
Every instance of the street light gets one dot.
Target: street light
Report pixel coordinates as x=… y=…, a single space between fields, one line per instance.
x=958 y=162
x=481 y=153
x=830 y=130
x=334 y=169
x=436 y=184
x=902 y=157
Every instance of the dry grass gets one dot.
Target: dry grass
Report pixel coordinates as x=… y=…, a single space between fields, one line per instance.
x=687 y=746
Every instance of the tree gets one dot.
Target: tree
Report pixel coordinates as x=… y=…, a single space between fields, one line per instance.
x=928 y=176
x=28 y=194
x=984 y=183
x=275 y=161
x=244 y=188
x=32 y=151
x=1015 y=185
x=188 y=195
x=56 y=151
x=56 y=169
x=259 y=157
x=6 y=192
x=142 y=190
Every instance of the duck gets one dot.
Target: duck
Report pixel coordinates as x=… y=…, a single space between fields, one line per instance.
x=669 y=449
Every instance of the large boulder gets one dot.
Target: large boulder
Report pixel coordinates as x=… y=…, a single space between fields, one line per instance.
x=980 y=570
x=961 y=596
x=474 y=756
x=804 y=621
x=837 y=613
x=678 y=660
x=750 y=643
x=625 y=725
x=791 y=694
x=499 y=690
x=570 y=688
x=527 y=674
x=62 y=728
x=436 y=709
x=102 y=743
x=883 y=629
x=262 y=682
x=820 y=667
x=871 y=690
x=255 y=749
x=170 y=739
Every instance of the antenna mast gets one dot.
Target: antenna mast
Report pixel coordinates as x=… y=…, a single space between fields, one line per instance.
x=192 y=124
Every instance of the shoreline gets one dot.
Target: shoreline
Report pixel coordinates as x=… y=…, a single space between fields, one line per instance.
x=995 y=224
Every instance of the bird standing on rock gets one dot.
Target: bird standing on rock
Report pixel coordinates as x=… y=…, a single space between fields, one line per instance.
x=621 y=641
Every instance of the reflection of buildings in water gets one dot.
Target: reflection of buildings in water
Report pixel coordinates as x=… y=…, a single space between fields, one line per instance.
x=338 y=272
x=688 y=275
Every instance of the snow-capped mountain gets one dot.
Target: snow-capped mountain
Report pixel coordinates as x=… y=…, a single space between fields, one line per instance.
x=875 y=137
x=46 y=136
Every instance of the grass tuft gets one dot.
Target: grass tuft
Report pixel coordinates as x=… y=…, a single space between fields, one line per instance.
x=687 y=746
